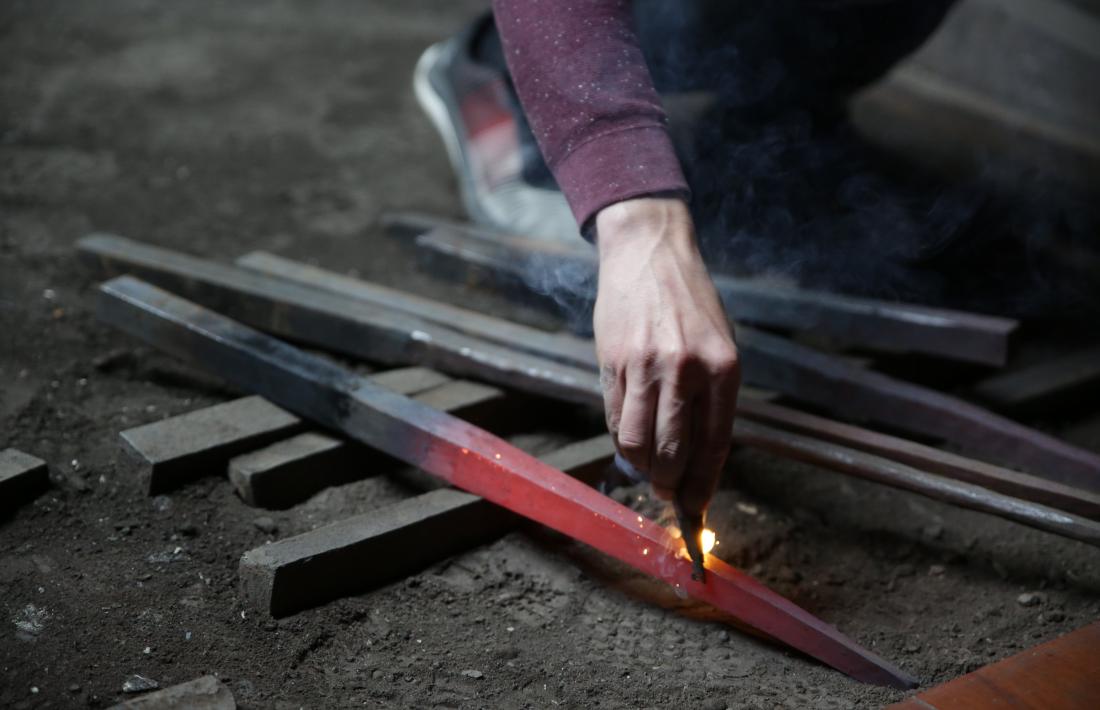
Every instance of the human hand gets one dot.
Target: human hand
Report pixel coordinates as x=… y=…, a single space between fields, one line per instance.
x=668 y=362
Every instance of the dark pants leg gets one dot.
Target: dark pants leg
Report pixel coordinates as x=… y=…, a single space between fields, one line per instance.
x=769 y=56
x=779 y=182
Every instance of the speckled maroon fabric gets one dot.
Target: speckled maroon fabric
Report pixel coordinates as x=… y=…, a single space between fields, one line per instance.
x=584 y=85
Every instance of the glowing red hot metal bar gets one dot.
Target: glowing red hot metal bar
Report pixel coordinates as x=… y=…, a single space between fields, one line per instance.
x=469 y=458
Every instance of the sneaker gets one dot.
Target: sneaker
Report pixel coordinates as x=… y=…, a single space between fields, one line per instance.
x=471 y=105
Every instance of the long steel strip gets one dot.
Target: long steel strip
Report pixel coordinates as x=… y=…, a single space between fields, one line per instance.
x=468 y=458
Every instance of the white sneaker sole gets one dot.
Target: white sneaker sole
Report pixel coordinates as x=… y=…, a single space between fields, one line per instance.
x=553 y=221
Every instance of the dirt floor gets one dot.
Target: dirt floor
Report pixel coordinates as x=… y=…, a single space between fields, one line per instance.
x=219 y=128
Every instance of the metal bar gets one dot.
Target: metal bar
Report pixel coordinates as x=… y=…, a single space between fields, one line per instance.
x=862 y=322
x=854 y=393
x=881 y=470
x=363 y=552
x=1074 y=377
x=346 y=325
x=468 y=458
x=1059 y=674
x=775 y=363
x=927 y=458
x=562 y=347
x=291 y=470
x=328 y=319
x=22 y=478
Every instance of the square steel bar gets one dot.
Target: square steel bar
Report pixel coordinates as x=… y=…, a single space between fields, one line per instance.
x=471 y=459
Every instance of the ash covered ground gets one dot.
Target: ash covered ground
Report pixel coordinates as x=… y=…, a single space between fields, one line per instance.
x=220 y=128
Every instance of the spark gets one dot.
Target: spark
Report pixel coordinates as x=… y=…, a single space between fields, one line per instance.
x=707 y=540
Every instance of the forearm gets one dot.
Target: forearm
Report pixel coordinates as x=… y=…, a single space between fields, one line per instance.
x=582 y=80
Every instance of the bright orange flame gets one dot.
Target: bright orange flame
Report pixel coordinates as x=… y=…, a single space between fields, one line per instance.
x=707 y=540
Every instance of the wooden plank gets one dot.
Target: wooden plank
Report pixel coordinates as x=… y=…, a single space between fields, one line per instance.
x=290 y=471
x=1055 y=382
x=470 y=458
x=927 y=458
x=179 y=449
x=1057 y=675
x=22 y=479
x=328 y=319
x=851 y=321
x=369 y=550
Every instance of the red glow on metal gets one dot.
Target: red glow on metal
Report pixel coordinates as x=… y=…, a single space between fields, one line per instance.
x=537 y=491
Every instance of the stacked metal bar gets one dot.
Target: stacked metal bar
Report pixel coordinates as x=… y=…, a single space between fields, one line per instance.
x=466 y=457
x=365 y=320
x=383 y=325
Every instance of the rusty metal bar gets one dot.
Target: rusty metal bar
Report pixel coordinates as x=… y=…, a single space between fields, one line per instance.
x=468 y=458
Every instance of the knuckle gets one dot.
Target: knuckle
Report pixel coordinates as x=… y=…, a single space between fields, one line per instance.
x=645 y=358
x=609 y=375
x=674 y=352
x=631 y=442
x=681 y=364
x=725 y=360
x=669 y=451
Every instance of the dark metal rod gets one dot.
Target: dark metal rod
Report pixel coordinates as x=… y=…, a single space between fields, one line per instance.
x=346 y=325
x=349 y=325
x=891 y=473
x=852 y=392
x=927 y=458
x=562 y=347
x=782 y=365
x=470 y=458
x=860 y=322
x=580 y=352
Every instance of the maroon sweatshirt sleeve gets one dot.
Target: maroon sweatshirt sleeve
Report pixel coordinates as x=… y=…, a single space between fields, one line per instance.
x=584 y=85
